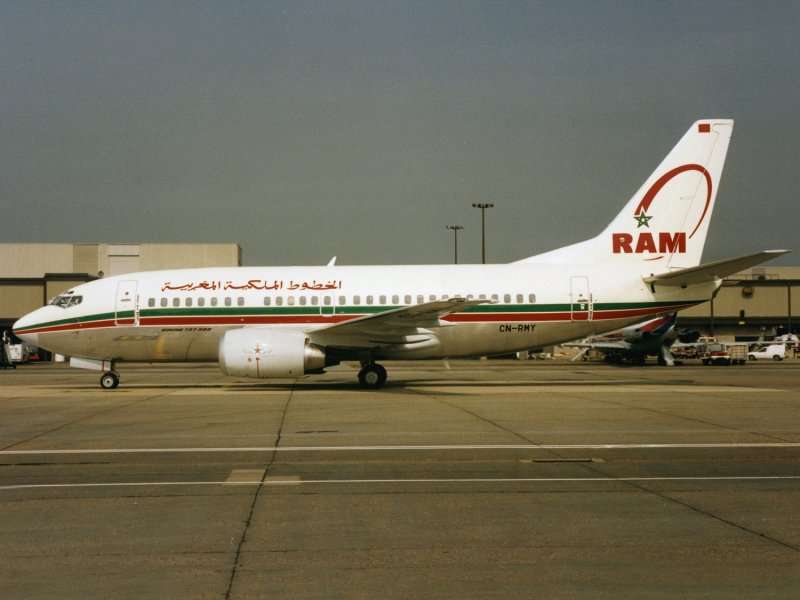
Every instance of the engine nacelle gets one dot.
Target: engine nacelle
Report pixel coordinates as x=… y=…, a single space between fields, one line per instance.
x=266 y=353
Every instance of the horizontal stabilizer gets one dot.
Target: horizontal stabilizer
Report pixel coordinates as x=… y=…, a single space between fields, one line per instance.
x=713 y=271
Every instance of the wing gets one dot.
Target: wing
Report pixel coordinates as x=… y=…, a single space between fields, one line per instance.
x=406 y=326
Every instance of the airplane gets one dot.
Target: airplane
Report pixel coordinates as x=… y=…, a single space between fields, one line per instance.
x=635 y=342
x=287 y=322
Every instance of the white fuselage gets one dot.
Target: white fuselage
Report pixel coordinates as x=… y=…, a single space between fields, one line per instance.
x=180 y=315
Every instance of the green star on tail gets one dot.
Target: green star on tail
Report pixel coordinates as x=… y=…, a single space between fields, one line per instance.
x=643 y=220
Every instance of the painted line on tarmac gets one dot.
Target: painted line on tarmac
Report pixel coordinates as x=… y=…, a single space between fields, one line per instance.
x=67 y=451
x=295 y=482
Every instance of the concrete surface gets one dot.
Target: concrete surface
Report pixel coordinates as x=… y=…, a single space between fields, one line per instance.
x=493 y=479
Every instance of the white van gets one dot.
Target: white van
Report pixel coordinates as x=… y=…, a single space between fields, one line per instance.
x=773 y=351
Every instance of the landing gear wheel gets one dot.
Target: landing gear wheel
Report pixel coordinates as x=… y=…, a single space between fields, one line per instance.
x=372 y=376
x=109 y=380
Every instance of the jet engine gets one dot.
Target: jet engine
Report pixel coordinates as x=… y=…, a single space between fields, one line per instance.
x=265 y=353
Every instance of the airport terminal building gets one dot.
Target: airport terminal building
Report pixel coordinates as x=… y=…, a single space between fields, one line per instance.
x=757 y=302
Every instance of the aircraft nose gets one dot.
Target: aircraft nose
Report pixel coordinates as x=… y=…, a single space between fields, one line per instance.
x=22 y=329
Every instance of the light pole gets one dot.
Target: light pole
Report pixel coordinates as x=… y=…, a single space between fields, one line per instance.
x=483 y=206
x=455 y=229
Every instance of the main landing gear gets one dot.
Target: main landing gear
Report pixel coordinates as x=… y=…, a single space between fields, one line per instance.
x=109 y=380
x=372 y=376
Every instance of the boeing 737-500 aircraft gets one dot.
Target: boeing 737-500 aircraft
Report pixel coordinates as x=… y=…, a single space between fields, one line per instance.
x=285 y=322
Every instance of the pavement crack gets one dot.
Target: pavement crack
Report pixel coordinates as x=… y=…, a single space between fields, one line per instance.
x=260 y=487
x=664 y=496
x=490 y=422
x=80 y=420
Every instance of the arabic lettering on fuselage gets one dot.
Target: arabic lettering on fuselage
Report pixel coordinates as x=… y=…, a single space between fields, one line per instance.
x=264 y=285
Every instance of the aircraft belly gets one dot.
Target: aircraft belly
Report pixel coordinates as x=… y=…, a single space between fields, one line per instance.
x=486 y=339
x=138 y=344
x=472 y=339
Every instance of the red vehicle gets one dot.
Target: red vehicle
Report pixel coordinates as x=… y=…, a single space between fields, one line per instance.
x=714 y=353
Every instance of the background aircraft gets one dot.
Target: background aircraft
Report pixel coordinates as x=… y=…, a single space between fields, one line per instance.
x=636 y=342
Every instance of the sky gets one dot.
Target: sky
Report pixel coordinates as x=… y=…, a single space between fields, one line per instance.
x=304 y=130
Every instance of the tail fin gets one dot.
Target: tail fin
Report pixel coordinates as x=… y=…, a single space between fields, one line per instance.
x=664 y=225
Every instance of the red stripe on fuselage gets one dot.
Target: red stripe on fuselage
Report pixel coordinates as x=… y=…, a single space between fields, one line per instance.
x=195 y=320
x=70 y=327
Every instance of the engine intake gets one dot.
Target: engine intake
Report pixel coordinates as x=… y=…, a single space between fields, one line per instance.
x=266 y=353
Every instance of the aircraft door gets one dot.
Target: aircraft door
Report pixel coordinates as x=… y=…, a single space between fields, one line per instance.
x=581 y=305
x=126 y=306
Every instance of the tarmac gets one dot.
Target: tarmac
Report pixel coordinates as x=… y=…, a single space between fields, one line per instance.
x=477 y=479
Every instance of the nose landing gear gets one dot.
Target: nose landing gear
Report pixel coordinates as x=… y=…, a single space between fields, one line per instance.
x=109 y=380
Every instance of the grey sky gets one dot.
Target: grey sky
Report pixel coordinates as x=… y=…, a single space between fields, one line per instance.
x=303 y=130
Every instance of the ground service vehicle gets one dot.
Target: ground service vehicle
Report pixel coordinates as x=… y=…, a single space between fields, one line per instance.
x=773 y=351
x=714 y=353
x=738 y=353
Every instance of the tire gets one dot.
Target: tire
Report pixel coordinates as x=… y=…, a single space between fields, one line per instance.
x=372 y=376
x=777 y=357
x=751 y=357
x=109 y=380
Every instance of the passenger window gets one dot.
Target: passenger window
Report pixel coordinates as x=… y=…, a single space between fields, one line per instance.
x=407 y=299
x=520 y=299
x=267 y=300
x=214 y=301
x=188 y=302
x=279 y=301
x=507 y=298
x=176 y=302
x=382 y=300
x=369 y=299
x=240 y=301
x=395 y=299
x=151 y=302
x=342 y=300
x=228 y=301
x=420 y=299
x=315 y=300
x=290 y=300
x=303 y=300
x=164 y=302
x=532 y=298
x=495 y=298
x=201 y=302
x=356 y=300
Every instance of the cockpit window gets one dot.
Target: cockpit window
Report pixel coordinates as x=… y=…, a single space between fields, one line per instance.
x=66 y=300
